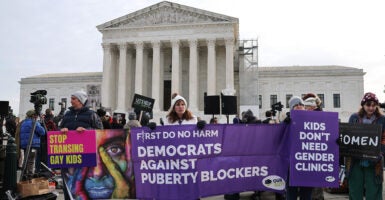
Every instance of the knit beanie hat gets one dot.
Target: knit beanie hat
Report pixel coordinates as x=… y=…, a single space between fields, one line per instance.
x=295 y=101
x=317 y=99
x=175 y=98
x=311 y=101
x=82 y=96
x=369 y=97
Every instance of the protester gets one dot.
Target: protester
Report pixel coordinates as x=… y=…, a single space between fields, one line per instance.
x=10 y=124
x=236 y=119
x=105 y=120
x=132 y=121
x=292 y=192
x=178 y=113
x=313 y=103
x=80 y=118
x=249 y=118
x=48 y=120
x=214 y=120
x=115 y=123
x=33 y=162
x=108 y=117
x=365 y=176
x=269 y=118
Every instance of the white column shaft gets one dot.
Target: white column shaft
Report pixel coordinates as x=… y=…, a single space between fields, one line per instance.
x=107 y=73
x=156 y=74
x=175 y=74
x=230 y=64
x=121 y=107
x=211 y=67
x=193 y=75
x=139 y=68
x=129 y=78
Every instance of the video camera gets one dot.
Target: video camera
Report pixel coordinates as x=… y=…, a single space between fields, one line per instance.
x=38 y=99
x=276 y=107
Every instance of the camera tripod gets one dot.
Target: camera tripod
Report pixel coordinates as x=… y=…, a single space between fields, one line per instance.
x=29 y=146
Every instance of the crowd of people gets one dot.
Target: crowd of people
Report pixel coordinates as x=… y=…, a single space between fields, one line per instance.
x=365 y=176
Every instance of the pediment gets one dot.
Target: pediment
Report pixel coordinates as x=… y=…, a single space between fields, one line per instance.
x=166 y=13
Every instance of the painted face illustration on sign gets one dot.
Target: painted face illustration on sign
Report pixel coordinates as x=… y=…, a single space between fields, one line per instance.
x=112 y=177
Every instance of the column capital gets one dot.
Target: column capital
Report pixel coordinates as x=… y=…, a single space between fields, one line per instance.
x=106 y=46
x=139 y=44
x=193 y=42
x=122 y=46
x=229 y=41
x=155 y=44
x=210 y=41
x=175 y=43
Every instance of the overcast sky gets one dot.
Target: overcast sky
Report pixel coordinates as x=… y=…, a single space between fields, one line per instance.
x=45 y=36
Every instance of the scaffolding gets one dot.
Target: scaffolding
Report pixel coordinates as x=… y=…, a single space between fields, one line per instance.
x=248 y=75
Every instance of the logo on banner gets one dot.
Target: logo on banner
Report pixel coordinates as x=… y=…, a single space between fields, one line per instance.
x=274 y=182
x=330 y=179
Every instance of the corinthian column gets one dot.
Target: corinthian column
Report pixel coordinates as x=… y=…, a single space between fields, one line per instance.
x=156 y=74
x=107 y=76
x=211 y=67
x=139 y=68
x=193 y=75
x=175 y=74
x=230 y=65
x=122 y=78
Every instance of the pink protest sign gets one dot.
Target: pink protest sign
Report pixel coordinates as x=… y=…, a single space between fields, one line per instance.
x=73 y=149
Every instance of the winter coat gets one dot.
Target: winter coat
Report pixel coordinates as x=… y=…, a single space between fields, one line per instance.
x=132 y=123
x=83 y=117
x=25 y=131
x=354 y=119
x=194 y=120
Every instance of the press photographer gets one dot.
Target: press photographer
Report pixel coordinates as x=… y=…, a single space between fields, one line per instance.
x=276 y=107
x=31 y=132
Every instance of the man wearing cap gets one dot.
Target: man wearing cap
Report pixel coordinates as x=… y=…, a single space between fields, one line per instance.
x=79 y=117
x=132 y=121
x=33 y=164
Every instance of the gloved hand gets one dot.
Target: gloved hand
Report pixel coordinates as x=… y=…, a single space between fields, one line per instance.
x=151 y=125
x=201 y=124
x=287 y=120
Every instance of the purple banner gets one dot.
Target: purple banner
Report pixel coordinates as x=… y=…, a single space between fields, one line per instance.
x=314 y=153
x=182 y=162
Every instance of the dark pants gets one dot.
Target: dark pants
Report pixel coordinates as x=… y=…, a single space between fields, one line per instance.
x=234 y=196
x=304 y=193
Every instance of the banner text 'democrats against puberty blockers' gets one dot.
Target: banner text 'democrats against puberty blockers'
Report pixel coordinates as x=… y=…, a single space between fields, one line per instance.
x=184 y=156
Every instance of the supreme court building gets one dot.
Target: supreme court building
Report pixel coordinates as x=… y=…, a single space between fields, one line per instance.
x=167 y=48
